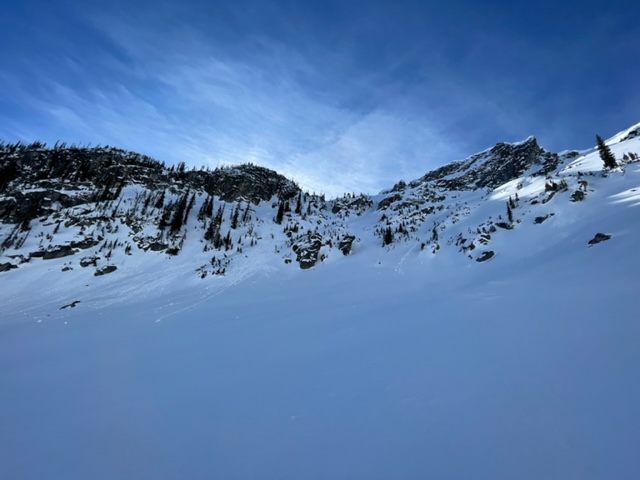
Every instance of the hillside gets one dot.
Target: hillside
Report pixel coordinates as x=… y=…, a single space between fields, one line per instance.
x=477 y=322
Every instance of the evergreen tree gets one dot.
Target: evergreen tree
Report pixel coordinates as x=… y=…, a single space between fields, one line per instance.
x=160 y=202
x=280 y=214
x=206 y=210
x=509 y=213
x=388 y=237
x=246 y=216
x=178 y=214
x=192 y=200
x=606 y=154
x=234 y=216
x=299 y=204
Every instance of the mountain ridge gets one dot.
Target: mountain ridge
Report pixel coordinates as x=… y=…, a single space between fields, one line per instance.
x=94 y=209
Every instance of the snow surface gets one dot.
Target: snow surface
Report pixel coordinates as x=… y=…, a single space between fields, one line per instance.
x=391 y=363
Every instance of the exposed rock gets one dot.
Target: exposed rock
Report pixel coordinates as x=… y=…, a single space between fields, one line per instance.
x=89 y=261
x=484 y=239
x=632 y=134
x=307 y=250
x=351 y=204
x=70 y=305
x=386 y=202
x=577 y=196
x=345 y=244
x=542 y=218
x=599 y=237
x=486 y=255
x=156 y=246
x=87 y=242
x=104 y=270
x=58 y=252
x=505 y=225
x=494 y=167
x=244 y=182
x=5 y=267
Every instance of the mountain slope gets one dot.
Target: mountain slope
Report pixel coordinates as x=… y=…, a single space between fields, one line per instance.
x=406 y=360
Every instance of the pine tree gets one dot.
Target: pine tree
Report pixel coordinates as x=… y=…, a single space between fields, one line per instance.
x=606 y=154
x=388 y=237
x=509 y=213
x=192 y=201
x=299 y=204
x=234 y=216
x=206 y=210
x=160 y=201
x=178 y=215
x=246 y=216
x=280 y=214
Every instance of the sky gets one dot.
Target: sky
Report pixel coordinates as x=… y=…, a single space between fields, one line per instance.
x=341 y=96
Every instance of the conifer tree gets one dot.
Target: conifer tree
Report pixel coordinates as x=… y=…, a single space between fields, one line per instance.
x=235 y=215
x=388 y=237
x=280 y=214
x=160 y=202
x=509 y=213
x=606 y=154
x=192 y=201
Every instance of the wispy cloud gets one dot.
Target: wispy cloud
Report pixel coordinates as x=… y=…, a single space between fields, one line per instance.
x=313 y=112
x=185 y=103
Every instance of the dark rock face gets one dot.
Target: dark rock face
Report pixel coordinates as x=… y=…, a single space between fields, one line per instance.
x=386 y=202
x=5 y=267
x=70 y=305
x=156 y=246
x=248 y=182
x=539 y=220
x=104 y=270
x=345 y=244
x=89 y=261
x=27 y=205
x=87 y=242
x=632 y=134
x=577 y=196
x=351 y=204
x=89 y=170
x=599 y=237
x=58 y=252
x=307 y=250
x=494 y=167
x=486 y=255
x=505 y=225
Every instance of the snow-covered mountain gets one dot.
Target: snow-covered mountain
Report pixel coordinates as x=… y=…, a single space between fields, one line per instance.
x=478 y=322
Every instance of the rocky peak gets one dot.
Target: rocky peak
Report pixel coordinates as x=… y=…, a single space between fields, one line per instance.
x=244 y=182
x=493 y=167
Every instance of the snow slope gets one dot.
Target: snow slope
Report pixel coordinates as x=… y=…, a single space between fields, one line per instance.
x=393 y=362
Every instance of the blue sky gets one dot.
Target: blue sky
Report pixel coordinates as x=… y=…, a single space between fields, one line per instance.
x=339 y=95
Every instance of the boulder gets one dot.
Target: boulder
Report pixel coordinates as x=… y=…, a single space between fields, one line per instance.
x=5 y=267
x=599 y=237
x=58 y=252
x=486 y=255
x=91 y=260
x=577 y=196
x=345 y=244
x=104 y=270
x=87 y=242
x=307 y=250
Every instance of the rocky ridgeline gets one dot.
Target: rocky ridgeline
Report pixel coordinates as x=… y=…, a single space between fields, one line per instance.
x=99 y=203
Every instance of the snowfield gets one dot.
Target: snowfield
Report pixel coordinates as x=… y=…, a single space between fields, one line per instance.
x=389 y=363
